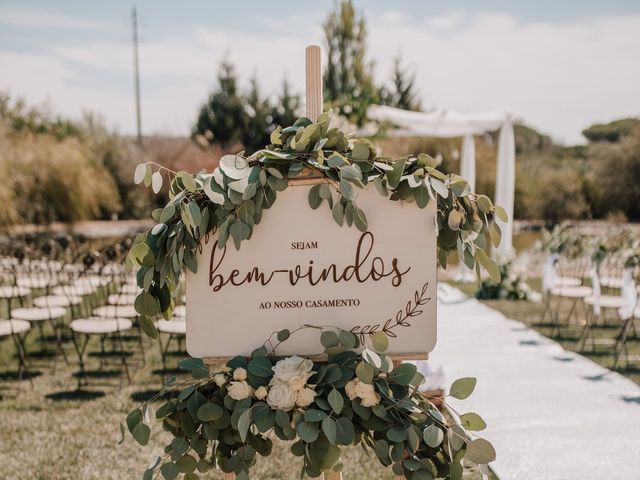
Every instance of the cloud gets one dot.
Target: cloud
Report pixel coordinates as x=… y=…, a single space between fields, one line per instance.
x=31 y=18
x=557 y=76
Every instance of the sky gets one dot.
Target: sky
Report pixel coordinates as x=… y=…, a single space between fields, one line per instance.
x=557 y=66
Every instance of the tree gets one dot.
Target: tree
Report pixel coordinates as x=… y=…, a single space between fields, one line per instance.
x=221 y=119
x=286 y=109
x=611 y=132
x=348 y=78
x=403 y=93
x=258 y=121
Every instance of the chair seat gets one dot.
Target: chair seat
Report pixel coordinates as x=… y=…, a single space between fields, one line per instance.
x=572 y=292
x=567 y=282
x=121 y=299
x=611 y=282
x=74 y=290
x=8 y=327
x=174 y=327
x=49 y=301
x=37 y=314
x=92 y=280
x=130 y=289
x=180 y=311
x=94 y=325
x=606 y=301
x=28 y=282
x=13 y=292
x=116 y=311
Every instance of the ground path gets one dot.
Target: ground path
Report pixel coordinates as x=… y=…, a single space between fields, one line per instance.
x=551 y=414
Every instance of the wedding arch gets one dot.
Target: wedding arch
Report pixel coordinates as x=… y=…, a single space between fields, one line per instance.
x=442 y=123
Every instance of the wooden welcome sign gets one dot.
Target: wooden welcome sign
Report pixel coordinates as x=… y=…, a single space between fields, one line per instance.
x=293 y=269
x=301 y=268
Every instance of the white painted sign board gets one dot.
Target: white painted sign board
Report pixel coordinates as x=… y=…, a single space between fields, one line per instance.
x=300 y=267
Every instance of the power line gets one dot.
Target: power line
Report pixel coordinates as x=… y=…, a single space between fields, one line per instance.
x=136 y=73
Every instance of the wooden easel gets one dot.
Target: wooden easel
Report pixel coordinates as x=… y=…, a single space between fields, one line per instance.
x=314 y=103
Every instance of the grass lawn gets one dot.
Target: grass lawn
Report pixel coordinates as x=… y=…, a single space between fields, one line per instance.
x=530 y=313
x=53 y=431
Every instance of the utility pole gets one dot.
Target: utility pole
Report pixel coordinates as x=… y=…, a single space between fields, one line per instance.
x=136 y=73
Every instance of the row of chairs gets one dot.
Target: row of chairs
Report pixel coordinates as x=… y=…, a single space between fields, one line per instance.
x=585 y=293
x=79 y=295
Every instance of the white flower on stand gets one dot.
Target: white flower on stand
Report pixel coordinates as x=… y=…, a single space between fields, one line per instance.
x=281 y=396
x=293 y=370
x=288 y=387
x=261 y=393
x=364 y=391
x=305 y=397
x=240 y=374
x=220 y=379
x=239 y=390
x=350 y=389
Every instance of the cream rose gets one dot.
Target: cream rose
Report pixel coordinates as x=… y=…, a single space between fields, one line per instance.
x=281 y=396
x=240 y=374
x=219 y=379
x=367 y=394
x=305 y=397
x=293 y=370
x=239 y=390
x=261 y=393
x=350 y=388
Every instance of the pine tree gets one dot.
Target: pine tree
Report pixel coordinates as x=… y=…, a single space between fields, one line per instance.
x=221 y=119
x=259 y=123
x=286 y=109
x=348 y=78
x=403 y=93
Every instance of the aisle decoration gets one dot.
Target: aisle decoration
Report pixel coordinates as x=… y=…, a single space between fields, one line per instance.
x=511 y=286
x=223 y=418
x=231 y=201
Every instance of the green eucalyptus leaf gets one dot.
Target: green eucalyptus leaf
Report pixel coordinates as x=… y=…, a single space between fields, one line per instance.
x=403 y=373
x=336 y=401
x=473 y=422
x=462 y=387
x=380 y=342
x=432 y=436
x=480 y=451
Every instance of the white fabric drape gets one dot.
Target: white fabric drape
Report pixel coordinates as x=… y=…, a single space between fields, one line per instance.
x=595 y=286
x=506 y=184
x=468 y=161
x=629 y=294
x=446 y=124
x=437 y=123
x=549 y=274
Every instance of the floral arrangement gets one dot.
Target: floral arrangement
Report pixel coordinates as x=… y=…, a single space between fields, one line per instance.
x=223 y=418
x=511 y=286
x=230 y=202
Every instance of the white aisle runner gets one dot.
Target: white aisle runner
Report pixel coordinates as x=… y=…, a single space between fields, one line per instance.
x=551 y=414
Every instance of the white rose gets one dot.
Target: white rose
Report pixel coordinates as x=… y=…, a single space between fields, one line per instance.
x=350 y=388
x=220 y=379
x=281 y=396
x=239 y=390
x=305 y=397
x=367 y=394
x=240 y=374
x=293 y=370
x=370 y=400
x=261 y=393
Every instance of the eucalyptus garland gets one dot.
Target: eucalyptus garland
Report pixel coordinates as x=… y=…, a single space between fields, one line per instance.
x=230 y=201
x=224 y=418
